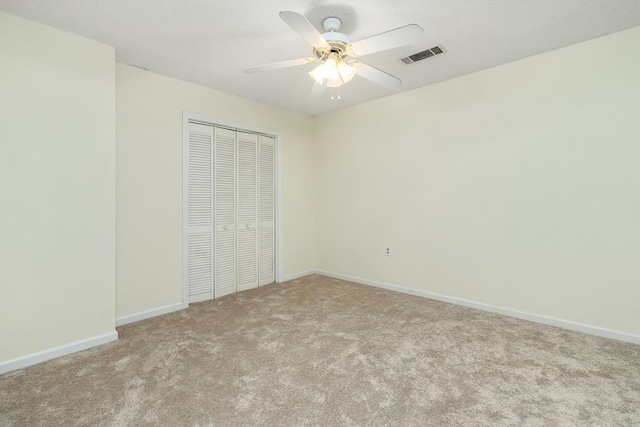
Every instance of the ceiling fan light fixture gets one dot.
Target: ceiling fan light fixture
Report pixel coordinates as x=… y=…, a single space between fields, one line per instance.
x=331 y=67
x=334 y=70
x=347 y=71
x=328 y=70
x=318 y=74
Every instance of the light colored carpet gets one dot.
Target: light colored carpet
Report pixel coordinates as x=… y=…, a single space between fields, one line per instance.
x=320 y=351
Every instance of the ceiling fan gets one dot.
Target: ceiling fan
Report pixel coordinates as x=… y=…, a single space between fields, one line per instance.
x=336 y=54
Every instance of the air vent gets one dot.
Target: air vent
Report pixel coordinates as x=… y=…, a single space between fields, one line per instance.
x=436 y=50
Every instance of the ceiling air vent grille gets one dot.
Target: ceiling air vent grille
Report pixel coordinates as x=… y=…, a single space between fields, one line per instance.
x=436 y=50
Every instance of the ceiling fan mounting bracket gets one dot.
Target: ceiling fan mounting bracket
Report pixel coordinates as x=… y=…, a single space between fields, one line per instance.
x=332 y=23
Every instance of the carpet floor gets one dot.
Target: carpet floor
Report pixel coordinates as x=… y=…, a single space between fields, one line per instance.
x=321 y=351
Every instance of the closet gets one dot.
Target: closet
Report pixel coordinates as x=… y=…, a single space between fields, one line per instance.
x=229 y=212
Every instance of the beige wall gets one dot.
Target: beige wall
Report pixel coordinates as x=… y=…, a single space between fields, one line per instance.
x=518 y=186
x=57 y=188
x=149 y=170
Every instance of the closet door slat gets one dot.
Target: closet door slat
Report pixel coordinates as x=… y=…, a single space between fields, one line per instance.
x=247 y=175
x=225 y=210
x=200 y=213
x=266 y=210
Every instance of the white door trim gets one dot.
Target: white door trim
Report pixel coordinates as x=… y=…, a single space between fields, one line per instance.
x=186 y=116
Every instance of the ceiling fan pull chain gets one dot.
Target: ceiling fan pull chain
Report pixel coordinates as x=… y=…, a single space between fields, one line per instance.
x=338 y=93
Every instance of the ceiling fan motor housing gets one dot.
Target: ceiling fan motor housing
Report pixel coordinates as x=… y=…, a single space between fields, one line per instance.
x=338 y=42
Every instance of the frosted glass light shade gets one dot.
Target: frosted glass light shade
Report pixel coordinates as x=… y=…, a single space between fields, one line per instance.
x=346 y=71
x=334 y=83
x=335 y=71
x=318 y=74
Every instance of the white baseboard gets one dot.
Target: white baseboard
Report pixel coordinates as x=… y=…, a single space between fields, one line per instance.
x=545 y=320
x=120 y=321
x=52 y=353
x=298 y=275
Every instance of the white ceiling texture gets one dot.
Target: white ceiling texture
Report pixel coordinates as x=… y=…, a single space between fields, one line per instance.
x=210 y=42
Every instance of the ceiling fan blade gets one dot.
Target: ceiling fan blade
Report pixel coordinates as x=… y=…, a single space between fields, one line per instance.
x=317 y=91
x=305 y=28
x=376 y=76
x=276 y=65
x=399 y=37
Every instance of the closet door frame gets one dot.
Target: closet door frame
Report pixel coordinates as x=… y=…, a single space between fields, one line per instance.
x=210 y=121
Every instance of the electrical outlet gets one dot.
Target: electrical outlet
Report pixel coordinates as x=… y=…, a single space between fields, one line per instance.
x=387 y=251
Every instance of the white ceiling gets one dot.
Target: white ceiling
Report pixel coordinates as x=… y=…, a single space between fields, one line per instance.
x=210 y=42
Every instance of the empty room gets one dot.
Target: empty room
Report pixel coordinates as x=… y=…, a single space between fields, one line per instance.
x=407 y=213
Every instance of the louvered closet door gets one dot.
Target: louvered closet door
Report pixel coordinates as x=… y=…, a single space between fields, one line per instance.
x=225 y=211
x=247 y=211
x=199 y=158
x=266 y=209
